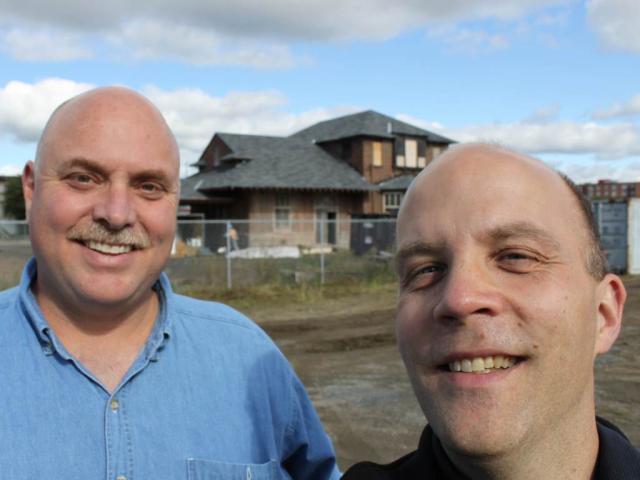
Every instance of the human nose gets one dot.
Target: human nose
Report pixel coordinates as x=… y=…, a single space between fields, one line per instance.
x=470 y=290
x=115 y=208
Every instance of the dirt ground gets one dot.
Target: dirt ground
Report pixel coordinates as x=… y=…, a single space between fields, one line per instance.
x=347 y=358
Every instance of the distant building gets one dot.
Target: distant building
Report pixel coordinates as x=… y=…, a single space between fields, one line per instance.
x=610 y=190
x=3 y=188
x=358 y=164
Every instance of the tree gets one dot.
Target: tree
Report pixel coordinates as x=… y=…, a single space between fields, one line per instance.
x=13 y=199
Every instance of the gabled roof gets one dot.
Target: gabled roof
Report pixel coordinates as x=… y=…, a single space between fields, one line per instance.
x=401 y=182
x=367 y=123
x=258 y=161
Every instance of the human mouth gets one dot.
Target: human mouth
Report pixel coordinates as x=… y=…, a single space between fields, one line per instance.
x=479 y=365
x=107 y=248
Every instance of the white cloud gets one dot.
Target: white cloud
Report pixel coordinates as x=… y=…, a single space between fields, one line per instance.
x=25 y=108
x=543 y=114
x=616 y=23
x=625 y=109
x=614 y=141
x=43 y=45
x=604 y=141
x=194 y=115
x=592 y=171
x=466 y=40
x=245 y=32
x=150 y=39
x=284 y=19
x=553 y=19
x=10 y=170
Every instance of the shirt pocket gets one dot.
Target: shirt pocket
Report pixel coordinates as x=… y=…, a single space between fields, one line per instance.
x=198 y=469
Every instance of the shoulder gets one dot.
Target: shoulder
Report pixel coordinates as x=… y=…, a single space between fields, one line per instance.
x=212 y=324
x=419 y=464
x=402 y=468
x=208 y=314
x=8 y=298
x=617 y=458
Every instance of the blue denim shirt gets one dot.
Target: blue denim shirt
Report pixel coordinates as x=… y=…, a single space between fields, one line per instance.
x=209 y=397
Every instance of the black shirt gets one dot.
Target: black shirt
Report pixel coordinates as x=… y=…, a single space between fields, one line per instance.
x=617 y=460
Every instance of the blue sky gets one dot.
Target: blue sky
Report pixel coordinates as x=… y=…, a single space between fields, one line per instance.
x=556 y=78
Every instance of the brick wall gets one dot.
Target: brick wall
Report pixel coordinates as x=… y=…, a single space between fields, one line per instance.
x=302 y=213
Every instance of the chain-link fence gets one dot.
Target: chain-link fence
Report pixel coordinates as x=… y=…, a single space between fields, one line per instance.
x=239 y=253
x=242 y=253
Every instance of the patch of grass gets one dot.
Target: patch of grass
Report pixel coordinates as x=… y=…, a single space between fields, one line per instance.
x=270 y=295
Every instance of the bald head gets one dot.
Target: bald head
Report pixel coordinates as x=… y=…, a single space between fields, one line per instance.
x=101 y=202
x=466 y=169
x=83 y=112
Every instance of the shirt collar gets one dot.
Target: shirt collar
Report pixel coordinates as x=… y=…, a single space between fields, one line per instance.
x=29 y=305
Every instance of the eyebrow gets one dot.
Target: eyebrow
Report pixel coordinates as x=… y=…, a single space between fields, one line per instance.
x=143 y=175
x=417 y=249
x=84 y=163
x=523 y=230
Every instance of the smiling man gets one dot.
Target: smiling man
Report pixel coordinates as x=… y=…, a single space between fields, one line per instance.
x=109 y=374
x=503 y=305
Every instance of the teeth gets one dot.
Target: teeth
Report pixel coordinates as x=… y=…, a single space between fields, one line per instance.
x=477 y=364
x=497 y=361
x=466 y=366
x=481 y=364
x=111 y=249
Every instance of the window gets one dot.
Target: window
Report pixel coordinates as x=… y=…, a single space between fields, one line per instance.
x=399 y=148
x=391 y=201
x=346 y=151
x=411 y=153
x=282 y=214
x=422 y=158
x=377 y=154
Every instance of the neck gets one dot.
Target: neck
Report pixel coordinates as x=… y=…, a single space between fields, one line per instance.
x=105 y=339
x=567 y=449
x=94 y=320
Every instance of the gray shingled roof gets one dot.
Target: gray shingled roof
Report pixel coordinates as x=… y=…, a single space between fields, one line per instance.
x=275 y=162
x=368 y=123
x=401 y=182
x=189 y=187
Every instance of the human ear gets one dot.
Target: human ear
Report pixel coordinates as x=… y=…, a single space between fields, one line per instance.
x=611 y=297
x=28 y=184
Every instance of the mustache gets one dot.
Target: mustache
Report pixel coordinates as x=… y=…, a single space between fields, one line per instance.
x=96 y=232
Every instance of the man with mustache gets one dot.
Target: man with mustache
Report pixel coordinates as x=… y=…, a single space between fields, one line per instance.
x=504 y=303
x=110 y=374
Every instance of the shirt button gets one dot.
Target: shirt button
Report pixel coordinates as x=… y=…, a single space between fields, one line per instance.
x=115 y=404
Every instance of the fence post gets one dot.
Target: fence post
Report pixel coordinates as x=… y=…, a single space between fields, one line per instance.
x=322 y=251
x=227 y=252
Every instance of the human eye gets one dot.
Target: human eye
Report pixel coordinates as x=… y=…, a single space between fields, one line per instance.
x=423 y=276
x=151 y=189
x=518 y=261
x=81 y=180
